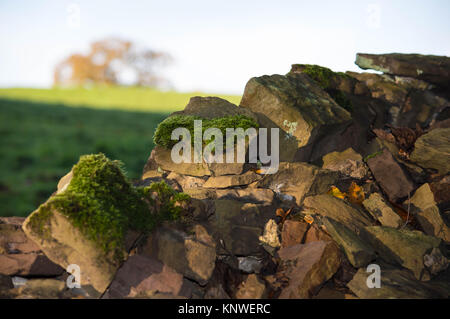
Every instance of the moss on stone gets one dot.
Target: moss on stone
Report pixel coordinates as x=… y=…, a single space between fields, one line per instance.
x=168 y=200
x=162 y=136
x=320 y=74
x=103 y=205
x=375 y=154
x=324 y=77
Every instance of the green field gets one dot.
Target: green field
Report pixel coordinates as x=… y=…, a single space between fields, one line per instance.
x=43 y=133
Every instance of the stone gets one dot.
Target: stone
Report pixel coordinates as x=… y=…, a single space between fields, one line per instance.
x=403 y=247
x=42 y=289
x=307 y=267
x=316 y=234
x=163 y=158
x=238 y=226
x=55 y=226
x=331 y=293
x=227 y=181
x=429 y=68
x=299 y=180
x=216 y=292
x=432 y=150
x=207 y=108
x=426 y=212
x=382 y=87
x=188 y=255
x=357 y=251
x=32 y=264
x=201 y=193
x=339 y=210
x=326 y=78
x=250 y=264
x=347 y=162
x=297 y=105
x=69 y=246
x=270 y=235
x=21 y=256
x=219 y=169
x=213 y=107
x=6 y=282
x=382 y=211
x=248 y=195
x=395 y=284
x=251 y=288
x=419 y=108
x=186 y=181
x=412 y=83
x=441 y=191
x=141 y=274
x=435 y=261
x=293 y=233
x=392 y=178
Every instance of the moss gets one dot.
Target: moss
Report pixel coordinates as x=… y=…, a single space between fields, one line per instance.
x=372 y=155
x=162 y=136
x=319 y=74
x=324 y=77
x=103 y=205
x=39 y=222
x=167 y=200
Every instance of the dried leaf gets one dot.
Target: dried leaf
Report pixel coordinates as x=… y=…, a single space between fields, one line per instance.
x=309 y=219
x=334 y=191
x=282 y=214
x=355 y=194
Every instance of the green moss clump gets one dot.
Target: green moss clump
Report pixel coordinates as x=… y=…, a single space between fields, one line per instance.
x=167 y=200
x=162 y=136
x=101 y=203
x=324 y=76
x=319 y=74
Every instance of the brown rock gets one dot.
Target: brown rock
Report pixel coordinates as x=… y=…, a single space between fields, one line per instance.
x=20 y=255
x=430 y=68
x=231 y=180
x=186 y=181
x=42 y=289
x=391 y=177
x=293 y=233
x=339 y=210
x=316 y=234
x=140 y=274
x=299 y=180
x=251 y=288
x=307 y=267
x=395 y=284
x=426 y=212
x=297 y=105
x=193 y=258
x=32 y=264
x=162 y=157
x=248 y=195
x=347 y=162
x=432 y=150
x=382 y=211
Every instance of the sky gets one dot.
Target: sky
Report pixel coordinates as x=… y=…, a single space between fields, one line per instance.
x=218 y=46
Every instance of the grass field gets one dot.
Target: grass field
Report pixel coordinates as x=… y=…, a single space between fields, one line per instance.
x=122 y=98
x=43 y=133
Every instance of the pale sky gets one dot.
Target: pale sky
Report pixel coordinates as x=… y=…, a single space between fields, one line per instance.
x=218 y=45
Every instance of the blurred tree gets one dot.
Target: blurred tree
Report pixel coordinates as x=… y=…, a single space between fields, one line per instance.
x=113 y=61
